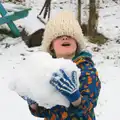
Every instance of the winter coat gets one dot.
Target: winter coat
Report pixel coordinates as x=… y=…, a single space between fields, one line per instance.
x=90 y=86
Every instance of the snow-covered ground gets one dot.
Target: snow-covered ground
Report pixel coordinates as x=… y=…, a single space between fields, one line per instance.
x=107 y=62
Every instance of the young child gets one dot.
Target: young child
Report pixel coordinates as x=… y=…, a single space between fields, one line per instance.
x=63 y=37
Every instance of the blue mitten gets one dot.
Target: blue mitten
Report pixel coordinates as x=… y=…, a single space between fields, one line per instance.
x=29 y=101
x=65 y=85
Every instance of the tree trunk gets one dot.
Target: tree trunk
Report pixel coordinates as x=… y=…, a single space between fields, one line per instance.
x=79 y=11
x=97 y=12
x=93 y=18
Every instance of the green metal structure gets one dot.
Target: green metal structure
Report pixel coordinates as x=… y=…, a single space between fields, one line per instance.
x=9 y=17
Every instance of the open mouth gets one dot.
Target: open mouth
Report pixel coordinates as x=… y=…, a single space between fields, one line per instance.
x=66 y=44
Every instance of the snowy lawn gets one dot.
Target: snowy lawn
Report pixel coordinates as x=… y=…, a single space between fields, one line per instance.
x=107 y=62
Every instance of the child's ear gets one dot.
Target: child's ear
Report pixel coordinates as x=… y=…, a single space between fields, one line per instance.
x=51 y=47
x=52 y=52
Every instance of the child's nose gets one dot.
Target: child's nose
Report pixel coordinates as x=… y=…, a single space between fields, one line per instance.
x=65 y=38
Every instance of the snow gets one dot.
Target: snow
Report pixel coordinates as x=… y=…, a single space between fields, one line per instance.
x=33 y=77
x=109 y=96
x=13 y=50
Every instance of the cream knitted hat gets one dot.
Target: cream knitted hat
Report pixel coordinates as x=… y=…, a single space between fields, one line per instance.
x=64 y=23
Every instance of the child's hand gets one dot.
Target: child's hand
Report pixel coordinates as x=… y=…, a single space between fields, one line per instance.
x=65 y=85
x=29 y=101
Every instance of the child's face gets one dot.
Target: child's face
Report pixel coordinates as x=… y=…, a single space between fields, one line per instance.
x=64 y=46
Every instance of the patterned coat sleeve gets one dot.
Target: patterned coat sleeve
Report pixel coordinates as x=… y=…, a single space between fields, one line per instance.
x=89 y=88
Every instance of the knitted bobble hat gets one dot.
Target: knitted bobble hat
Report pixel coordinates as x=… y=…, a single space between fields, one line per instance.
x=64 y=23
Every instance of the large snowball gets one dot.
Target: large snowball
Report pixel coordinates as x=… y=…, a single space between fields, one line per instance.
x=34 y=74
